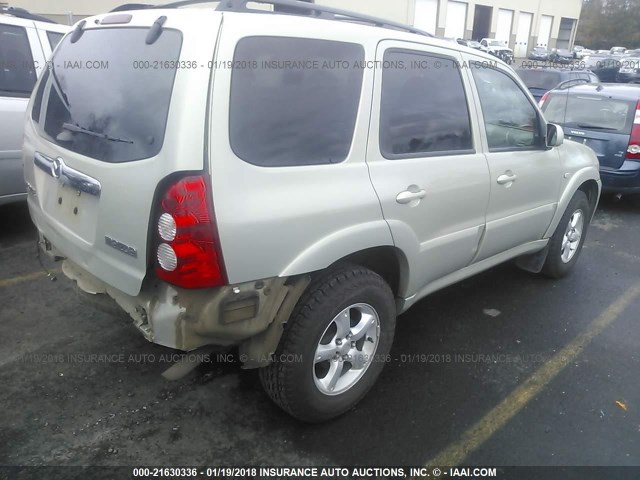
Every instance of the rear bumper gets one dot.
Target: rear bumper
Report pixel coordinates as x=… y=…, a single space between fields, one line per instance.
x=624 y=180
x=184 y=319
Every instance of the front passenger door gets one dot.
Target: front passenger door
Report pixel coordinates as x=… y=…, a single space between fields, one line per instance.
x=526 y=176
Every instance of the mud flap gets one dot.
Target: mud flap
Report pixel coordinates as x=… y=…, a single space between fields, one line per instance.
x=534 y=262
x=258 y=350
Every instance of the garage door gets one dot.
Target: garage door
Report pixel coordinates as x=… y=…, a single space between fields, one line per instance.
x=564 y=35
x=503 y=30
x=426 y=15
x=544 y=33
x=456 y=19
x=522 y=34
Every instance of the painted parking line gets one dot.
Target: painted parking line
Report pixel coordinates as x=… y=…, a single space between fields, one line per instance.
x=480 y=432
x=7 y=282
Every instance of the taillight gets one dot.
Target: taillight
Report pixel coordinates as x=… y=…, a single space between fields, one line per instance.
x=188 y=250
x=633 y=150
x=543 y=99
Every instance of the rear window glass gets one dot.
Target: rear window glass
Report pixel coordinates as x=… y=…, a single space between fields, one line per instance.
x=106 y=100
x=17 y=73
x=294 y=101
x=590 y=112
x=539 y=79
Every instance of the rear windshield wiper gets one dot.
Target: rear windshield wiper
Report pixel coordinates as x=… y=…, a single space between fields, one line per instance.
x=78 y=129
x=594 y=127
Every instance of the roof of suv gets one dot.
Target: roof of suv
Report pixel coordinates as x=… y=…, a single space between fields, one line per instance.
x=24 y=14
x=381 y=28
x=626 y=91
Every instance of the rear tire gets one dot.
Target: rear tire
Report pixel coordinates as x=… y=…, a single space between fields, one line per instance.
x=334 y=346
x=566 y=243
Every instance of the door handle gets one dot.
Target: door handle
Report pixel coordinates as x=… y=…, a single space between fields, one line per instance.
x=508 y=177
x=408 y=196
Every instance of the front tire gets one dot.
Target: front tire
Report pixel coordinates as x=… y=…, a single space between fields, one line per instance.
x=567 y=241
x=334 y=345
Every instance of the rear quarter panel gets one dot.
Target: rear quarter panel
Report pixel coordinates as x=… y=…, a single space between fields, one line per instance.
x=282 y=221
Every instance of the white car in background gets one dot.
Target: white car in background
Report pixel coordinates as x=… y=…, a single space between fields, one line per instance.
x=26 y=41
x=497 y=48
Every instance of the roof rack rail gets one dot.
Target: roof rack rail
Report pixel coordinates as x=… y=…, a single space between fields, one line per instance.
x=568 y=83
x=22 y=13
x=301 y=7
x=131 y=6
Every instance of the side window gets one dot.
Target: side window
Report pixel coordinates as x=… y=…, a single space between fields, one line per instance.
x=423 y=106
x=511 y=121
x=17 y=72
x=54 y=39
x=294 y=101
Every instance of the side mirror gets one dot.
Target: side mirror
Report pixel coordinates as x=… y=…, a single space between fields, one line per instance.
x=555 y=135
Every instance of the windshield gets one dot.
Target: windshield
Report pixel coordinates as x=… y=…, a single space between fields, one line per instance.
x=590 y=112
x=110 y=92
x=539 y=79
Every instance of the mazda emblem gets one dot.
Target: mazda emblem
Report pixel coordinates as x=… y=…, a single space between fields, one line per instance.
x=56 y=167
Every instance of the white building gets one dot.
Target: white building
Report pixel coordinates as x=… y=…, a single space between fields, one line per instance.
x=523 y=24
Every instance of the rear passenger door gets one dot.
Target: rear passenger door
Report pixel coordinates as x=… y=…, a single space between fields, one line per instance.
x=526 y=176
x=424 y=159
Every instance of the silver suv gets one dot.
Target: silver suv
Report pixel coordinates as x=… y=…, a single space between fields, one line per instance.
x=291 y=182
x=26 y=42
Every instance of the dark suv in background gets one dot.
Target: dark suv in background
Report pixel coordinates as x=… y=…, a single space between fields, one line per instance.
x=606 y=118
x=541 y=80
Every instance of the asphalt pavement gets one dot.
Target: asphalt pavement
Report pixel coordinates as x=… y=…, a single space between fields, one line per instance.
x=505 y=368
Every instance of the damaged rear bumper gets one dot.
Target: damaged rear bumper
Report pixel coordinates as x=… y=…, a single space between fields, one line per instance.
x=251 y=315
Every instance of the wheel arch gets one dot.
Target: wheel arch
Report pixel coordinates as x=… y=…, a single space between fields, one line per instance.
x=586 y=180
x=592 y=190
x=387 y=261
x=369 y=245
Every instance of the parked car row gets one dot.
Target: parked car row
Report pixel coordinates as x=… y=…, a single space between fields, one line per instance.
x=494 y=47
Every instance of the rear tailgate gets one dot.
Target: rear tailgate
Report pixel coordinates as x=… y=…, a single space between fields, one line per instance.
x=119 y=113
x=598 y=121
x=610 y=148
